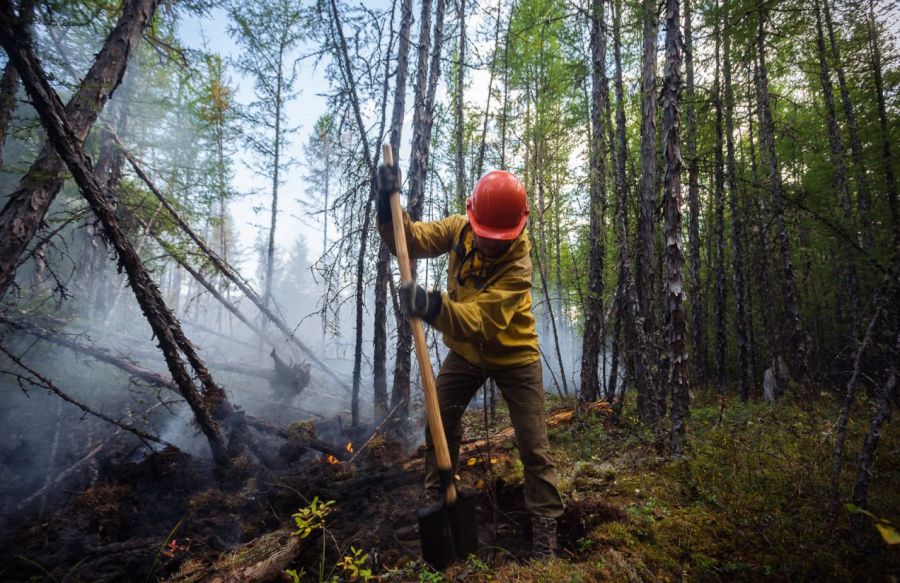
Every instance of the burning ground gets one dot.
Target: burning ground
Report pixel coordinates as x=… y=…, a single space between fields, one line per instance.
x=739 y=506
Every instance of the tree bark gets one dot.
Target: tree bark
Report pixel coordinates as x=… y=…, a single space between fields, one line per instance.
x=720 y=305
x=648 y=404
x=26 y=206
x=9 y=86
x=593 y=307
x=695 y=292
x=676 y=321
x=742 y=322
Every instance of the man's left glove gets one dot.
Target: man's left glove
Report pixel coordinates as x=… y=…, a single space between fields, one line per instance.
x=416 y=301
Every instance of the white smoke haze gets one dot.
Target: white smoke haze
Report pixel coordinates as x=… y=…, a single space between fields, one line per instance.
x=45 y=435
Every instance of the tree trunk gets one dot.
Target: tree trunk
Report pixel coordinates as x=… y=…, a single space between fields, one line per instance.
x=458 y=104
x=276 y=167
x=840 y=171
x=593 y=309
x=720 y=306
x=478 y=168
x=422 y=121
x=796 y=334
x=887 y=396
x=886 y=156
x=9 y=83
x=863 y=198
x=644 y=270
x=26 y=206
x=698 y=304
x=888 y=292
x=350 y=84
x=676 y=321
x=67 y=143
x=9 y=87
x=383 y=271
x=742 y=323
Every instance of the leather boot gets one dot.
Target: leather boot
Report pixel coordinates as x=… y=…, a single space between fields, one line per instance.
x=543 y=538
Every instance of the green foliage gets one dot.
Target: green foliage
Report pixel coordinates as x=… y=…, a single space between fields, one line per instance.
x=752 y=490
x=311 y=517
x=294 y=575
x=353 y=565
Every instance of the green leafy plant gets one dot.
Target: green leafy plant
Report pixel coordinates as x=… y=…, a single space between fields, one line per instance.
x=294 y=575
x=426 y=575
x=353 y=565
x=311 y=517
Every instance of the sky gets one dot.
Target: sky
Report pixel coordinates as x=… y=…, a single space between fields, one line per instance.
x=251 y=213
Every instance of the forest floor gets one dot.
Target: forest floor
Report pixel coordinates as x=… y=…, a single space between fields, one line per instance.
x=746 y=502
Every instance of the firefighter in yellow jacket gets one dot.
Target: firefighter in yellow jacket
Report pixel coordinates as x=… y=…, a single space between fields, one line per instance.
x=486 y=318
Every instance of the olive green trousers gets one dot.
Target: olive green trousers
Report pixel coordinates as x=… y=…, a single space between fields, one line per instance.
x=522 y=388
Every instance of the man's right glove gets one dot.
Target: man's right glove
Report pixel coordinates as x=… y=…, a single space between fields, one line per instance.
x=416 y=301
x=387 y=182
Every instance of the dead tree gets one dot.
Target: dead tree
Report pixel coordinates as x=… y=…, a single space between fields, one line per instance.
x=27 y=205
x=65 y=140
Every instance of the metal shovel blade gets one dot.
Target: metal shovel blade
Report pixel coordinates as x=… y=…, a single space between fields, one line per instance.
x=448 y=531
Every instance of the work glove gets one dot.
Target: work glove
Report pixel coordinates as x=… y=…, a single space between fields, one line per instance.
x=387 y=182
x=416 y=301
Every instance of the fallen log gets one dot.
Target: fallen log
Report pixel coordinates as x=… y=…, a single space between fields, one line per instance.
x=263 y=559
x=557 y=418
x=158 y=380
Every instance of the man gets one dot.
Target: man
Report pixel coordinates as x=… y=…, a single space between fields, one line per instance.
x=487 y=322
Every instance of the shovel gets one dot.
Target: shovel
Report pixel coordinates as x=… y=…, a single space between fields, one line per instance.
x=447 y=528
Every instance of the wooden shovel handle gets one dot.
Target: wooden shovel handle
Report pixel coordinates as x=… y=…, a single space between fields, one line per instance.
x=432 y=409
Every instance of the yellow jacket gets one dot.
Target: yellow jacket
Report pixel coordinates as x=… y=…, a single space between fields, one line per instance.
x=486 y=314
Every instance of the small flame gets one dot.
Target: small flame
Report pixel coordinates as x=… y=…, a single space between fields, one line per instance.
x=331 y=459
x=350 y=446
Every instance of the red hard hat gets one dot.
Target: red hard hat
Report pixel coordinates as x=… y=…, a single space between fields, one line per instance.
x=498 y=207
